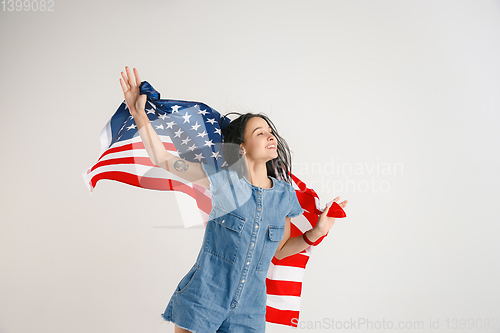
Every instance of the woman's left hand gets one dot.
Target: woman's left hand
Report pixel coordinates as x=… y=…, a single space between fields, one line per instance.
x=325 y=223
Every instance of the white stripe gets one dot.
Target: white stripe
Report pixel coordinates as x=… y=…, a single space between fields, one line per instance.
x=141 y=171
x=131 y=153
x=191 y=215
x=105 y=136
x=295 y=186
x=284 y=302
x=137 y=138
x=126 y=153
x=285 y=273
x=86 y=179
x=316 y=201
x=302 y=223
x=291 y=303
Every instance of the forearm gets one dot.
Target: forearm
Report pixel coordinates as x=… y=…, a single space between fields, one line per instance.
x=152 y=143
x=297 y=244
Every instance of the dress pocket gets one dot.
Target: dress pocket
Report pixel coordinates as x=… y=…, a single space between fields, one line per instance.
x=223 y=233
x=274 y=235
x=187 y=279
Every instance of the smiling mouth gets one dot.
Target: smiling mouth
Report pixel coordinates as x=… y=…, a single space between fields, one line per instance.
x=271 y=147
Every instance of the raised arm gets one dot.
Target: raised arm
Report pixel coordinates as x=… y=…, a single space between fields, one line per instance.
x=190 y=171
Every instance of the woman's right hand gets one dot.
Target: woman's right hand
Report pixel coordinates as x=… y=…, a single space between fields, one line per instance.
x=135 y=101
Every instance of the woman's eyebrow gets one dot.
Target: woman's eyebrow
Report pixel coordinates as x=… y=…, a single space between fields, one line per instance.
x=260 y=127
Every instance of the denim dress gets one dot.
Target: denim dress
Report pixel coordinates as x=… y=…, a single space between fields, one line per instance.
x=225 y=290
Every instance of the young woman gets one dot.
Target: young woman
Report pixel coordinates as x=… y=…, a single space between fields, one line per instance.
x=225 y=290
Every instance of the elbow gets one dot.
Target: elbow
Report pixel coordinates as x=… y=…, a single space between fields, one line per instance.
x=155 y=162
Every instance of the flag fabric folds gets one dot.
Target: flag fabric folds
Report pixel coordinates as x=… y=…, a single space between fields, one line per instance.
x=194 y=132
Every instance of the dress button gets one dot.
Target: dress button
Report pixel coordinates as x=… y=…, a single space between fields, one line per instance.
x=223 y=221
x=256 y=226
x=248 y=262
x=252 y=244
x=260 y=192
x=258 y=208
x=242 y=280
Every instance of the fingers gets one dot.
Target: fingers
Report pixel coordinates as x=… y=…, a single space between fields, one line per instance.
x=125 y=82
x=327 y=208
x=124 y=88
x=128 y=80
x=130 y=77
x=137 y=77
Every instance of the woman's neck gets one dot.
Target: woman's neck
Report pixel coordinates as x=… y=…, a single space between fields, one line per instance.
x=257 y=174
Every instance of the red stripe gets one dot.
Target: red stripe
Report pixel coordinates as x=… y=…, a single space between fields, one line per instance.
x=132 y=146
x=283 y=288
x=204 y=203
x=295 y=260
x=294 y=231
x=282 y=317
x=125 y=160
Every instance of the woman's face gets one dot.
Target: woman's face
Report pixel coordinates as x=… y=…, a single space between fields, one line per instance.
x=259 y=141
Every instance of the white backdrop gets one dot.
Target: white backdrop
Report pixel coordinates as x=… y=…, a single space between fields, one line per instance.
x=392 y=105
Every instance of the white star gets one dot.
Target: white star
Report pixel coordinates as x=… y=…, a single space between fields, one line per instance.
x=203 y=112
x=211 y=120
x=186 y=140
x=175 y=108
x=217 y=130
x=170 y=124
x=202 y=134
x=163 y=116
x=193 y=147
x=215 y=154
x=199 y=156
x=159 y=126
x=150 y=111
x=133 y=126
x=186 y=117
x=209 y=143
x=178 y=133
x=195 y=126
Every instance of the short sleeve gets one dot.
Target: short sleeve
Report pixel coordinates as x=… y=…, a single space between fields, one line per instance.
x=295 y=208
x=214 y=175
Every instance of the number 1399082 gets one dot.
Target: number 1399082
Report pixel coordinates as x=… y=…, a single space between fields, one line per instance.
x=28 y=5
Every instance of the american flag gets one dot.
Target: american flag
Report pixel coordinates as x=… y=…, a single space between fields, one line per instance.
x=194 y=131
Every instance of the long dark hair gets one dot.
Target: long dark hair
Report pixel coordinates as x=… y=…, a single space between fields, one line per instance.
x=233 y=134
